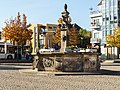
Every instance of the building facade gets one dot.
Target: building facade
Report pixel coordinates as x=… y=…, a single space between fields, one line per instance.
x=96 y=24
x=110 y=18
x=42 y=36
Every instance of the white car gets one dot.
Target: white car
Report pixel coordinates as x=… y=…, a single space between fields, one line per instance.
x=91 y=50
x=47 y=50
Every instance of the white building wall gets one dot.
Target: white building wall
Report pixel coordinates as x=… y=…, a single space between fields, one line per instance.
x=103 y=52
x=96 y=22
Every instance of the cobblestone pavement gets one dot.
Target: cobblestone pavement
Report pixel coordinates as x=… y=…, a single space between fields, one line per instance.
x=12 y=79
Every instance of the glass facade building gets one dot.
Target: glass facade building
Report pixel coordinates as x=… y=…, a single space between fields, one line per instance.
x=110 y=20
x=110 y=17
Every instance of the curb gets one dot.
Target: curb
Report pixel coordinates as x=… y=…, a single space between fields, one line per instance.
x=53 y=73
x=48 y=73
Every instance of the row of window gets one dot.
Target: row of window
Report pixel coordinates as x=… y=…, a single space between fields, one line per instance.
x=107 y=32
x=109 y=3
x=53 y=28
x=110 y=18
x=0 y=35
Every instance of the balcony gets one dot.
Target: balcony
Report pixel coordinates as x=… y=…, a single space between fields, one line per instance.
x=95 y=40
x=95 y=27
x=95 y=14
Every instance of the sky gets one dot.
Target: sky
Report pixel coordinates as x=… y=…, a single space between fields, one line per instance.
x=47 y=11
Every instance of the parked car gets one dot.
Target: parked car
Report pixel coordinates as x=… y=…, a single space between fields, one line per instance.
x=47 y=50
x=91 y=50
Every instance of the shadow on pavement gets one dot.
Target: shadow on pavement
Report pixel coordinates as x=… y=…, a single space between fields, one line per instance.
x=101 y=72
x=112 y=65
x=16 y=61
x=24 y=66
x=109 y=72
x=15 y=66
x=10 y=68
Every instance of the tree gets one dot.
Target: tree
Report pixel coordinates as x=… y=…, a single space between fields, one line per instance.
x=114 y=39
x=85 y=37
x=85 y=33
x=17 y=30
x=73 y=37
x=57 y=37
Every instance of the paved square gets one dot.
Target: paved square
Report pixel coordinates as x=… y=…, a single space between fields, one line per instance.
x=12 y=79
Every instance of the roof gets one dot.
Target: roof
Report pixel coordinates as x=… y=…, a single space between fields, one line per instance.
x=100 y=3
x=76 y=26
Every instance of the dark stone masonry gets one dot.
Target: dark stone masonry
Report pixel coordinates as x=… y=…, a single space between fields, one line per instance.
x=75 y=61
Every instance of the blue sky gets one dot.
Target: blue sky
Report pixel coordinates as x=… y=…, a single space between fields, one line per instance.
x=47 y=11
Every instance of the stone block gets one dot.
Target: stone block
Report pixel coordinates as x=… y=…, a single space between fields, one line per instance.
x=89 y=65
x=72 y=64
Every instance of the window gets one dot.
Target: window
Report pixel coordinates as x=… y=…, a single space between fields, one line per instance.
x=107 y=18
x=115 y=2
x=109 y=32
x=97 y=22
x=103 y=19
x=0 y=36
x=106 y=33
x=54 y=28
x=41 y=41
x=96 y=35
x=103 y=33
x=115 y=17
x=2 y=49
x=49 y=27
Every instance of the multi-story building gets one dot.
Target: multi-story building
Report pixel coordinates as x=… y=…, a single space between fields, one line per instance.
x=110 y=20
x=110 y=13
x=42 y=36
x=96 y=23
x=0 y=35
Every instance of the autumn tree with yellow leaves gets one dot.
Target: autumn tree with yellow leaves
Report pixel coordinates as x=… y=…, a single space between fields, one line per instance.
x=57 y=37
x=73 y=37
x=16 y=30
x=114 y=39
